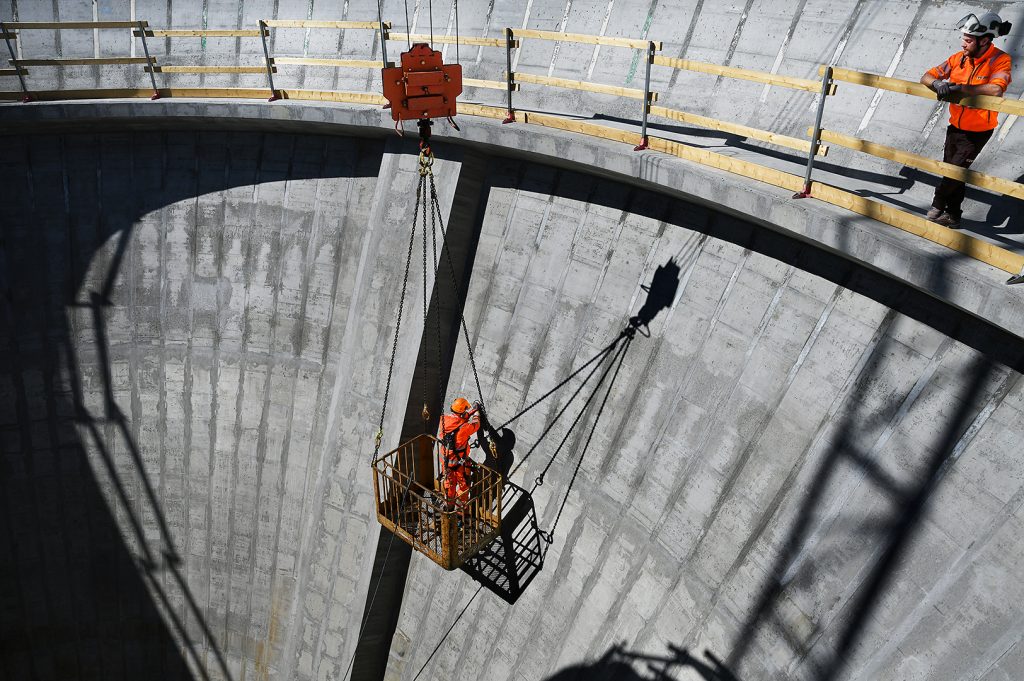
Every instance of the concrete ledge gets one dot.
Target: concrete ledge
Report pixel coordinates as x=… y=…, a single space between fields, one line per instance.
x=949 y=276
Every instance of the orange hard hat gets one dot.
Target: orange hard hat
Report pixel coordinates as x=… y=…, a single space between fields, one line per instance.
x=460 y=405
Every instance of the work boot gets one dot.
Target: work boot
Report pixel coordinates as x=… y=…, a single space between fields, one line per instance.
x=948 y=220
x=934 y=212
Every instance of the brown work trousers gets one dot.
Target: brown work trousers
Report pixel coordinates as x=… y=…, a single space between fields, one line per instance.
x=962 y=147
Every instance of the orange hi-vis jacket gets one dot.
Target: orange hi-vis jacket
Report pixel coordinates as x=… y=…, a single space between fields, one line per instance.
x=991 y=67
x=463 y=430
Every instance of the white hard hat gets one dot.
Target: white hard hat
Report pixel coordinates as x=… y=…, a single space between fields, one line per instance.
x=988 y=23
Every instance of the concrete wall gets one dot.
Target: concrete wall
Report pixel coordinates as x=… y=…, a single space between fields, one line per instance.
x=806 y=471
x=801 y=480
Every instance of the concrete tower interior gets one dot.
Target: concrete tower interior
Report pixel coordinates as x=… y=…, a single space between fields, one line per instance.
x=747 y=437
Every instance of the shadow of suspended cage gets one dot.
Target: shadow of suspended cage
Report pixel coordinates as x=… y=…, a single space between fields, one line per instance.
x=507 y=565
x=411 y=504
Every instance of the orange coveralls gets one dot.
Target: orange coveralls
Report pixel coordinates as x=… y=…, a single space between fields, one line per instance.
x=455 y=462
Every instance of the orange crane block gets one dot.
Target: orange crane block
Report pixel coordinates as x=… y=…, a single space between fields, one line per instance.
x=423 y=87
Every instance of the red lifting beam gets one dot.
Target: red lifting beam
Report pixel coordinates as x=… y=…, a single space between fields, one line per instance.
x=423 y=87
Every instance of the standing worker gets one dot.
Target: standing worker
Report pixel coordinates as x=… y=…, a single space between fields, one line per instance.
x=979 y=69
x=453 y=435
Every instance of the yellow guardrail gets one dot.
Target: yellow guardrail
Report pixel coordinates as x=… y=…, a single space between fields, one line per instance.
x=510 y=40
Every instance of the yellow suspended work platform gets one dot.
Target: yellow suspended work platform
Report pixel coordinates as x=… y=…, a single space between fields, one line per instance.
x=411 y=503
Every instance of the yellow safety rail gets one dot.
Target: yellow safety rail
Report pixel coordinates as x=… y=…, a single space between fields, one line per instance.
x=79 y=61
x=597 y=88
x=990 y=182
x=201 y=33
x=736 y=129
x=634 y=43
x=745 y=74
x=449 y=39
x=976 y=248
x=70 y=25
x=1001 y=104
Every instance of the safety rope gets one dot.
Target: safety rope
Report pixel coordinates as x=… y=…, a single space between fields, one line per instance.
x=564 y=408
x=568 y=378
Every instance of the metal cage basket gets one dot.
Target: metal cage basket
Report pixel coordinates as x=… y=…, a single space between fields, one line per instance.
x=411 y=503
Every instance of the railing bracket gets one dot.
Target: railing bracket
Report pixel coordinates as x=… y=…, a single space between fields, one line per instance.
x=644 y=144
x=1016 y=279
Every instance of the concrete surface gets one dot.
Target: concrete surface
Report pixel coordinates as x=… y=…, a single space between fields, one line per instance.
x=807 y=470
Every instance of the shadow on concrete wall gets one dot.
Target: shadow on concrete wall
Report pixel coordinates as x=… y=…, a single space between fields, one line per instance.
x=621 y=664
x=92 y=583
x=892 y=534
x=507 y=566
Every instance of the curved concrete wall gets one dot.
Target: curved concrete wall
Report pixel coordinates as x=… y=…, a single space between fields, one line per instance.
x=802 y=481
x=806 y=470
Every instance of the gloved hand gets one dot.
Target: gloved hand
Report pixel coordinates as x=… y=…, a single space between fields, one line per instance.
x=943 y=88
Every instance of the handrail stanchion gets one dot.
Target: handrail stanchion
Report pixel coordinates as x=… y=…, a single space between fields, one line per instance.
x=21 y=78
x=826 y=80
x=647 y=97
x=149 y=61
x=1017 y=279
x=509 y=76
x=270 y=68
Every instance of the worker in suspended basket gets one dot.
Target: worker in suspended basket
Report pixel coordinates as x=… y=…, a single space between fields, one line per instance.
x=453 y=435
x=980 y=68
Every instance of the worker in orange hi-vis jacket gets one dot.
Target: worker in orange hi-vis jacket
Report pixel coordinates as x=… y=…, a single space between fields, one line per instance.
x=453 y=434
x=978 y=69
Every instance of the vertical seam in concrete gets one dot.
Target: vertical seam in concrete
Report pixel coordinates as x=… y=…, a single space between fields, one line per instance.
x=262 y=442
x=239 y=402
x=558 y=44
x=602 y=32
x=186 y=401
x=686 y=44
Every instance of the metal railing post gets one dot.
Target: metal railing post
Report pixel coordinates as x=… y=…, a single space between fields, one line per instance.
x=14 y=60
x=647 y=97
x=270 y=65
x=509 y=76
x=149 y=61
x=826 y=80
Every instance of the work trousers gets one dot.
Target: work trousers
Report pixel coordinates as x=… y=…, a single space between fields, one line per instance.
x=962 y=147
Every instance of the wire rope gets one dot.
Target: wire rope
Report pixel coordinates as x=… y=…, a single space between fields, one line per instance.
x=621 y=358
x=439 y=643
